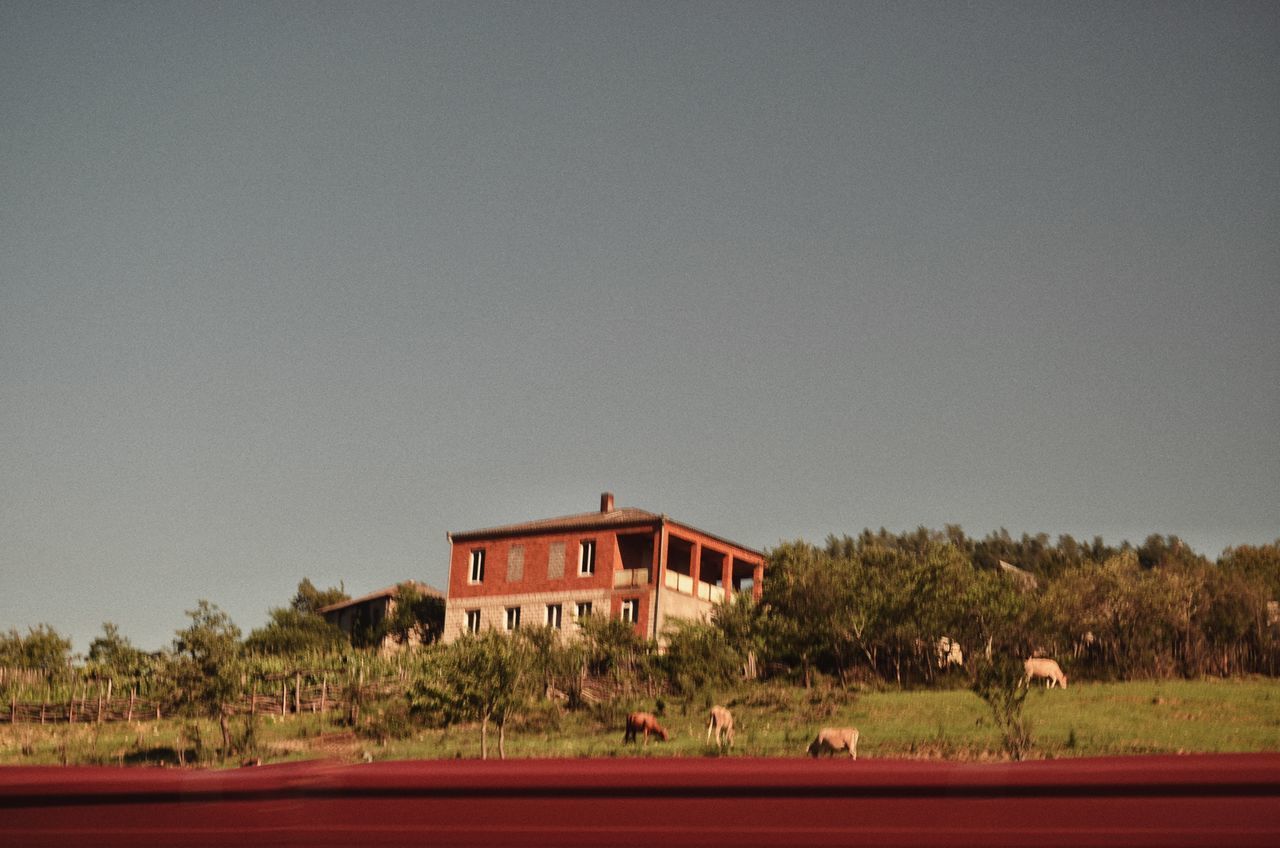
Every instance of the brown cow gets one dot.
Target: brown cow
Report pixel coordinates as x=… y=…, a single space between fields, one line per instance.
x=721 y=719
x=646 y=722
x=1046 y=668
x=832 y=739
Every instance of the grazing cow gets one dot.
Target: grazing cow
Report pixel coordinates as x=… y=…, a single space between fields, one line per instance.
x=832 y=739
x=646 y=723
x=1046 y=668
x=949 y=652
x=721 y=719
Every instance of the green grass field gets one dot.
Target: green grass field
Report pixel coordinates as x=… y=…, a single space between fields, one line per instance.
x=1097 y=719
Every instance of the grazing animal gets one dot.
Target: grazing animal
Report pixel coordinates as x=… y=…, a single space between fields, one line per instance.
x=643 y=723
x=833 y=739
x=721 y=720
x=1046 y=668
x=949 y=652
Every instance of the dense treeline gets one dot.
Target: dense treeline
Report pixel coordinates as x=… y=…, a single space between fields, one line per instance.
x=876 y=605
x=866 y=609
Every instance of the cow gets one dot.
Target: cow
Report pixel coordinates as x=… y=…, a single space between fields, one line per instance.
x=646 y=723
x=833 y=739
x=1046 y=668
x=721 y=720
x=948 y=653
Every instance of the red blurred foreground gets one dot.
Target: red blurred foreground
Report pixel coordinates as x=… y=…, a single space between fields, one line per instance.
x=1132 y=801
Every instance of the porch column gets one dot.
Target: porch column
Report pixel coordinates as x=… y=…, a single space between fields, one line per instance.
x=726 y=577
x=659 y=556
x=695 y=561
x=757 y=578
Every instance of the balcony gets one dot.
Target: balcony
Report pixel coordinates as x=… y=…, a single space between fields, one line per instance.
x=627 y=577
x=683 y=583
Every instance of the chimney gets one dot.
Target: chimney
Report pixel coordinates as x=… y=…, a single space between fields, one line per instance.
x=606 y=501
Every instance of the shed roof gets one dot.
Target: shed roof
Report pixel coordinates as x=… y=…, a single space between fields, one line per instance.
x=388 y=592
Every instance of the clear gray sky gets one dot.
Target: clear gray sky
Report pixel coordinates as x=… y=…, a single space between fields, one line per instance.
x=291 y=289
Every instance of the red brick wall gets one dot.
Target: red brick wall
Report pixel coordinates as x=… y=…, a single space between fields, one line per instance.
x=536 y=554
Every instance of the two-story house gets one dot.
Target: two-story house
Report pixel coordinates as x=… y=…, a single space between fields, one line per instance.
x=627 y=563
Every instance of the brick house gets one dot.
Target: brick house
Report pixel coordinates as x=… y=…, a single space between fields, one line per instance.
x=627 y=563
x=360 y=617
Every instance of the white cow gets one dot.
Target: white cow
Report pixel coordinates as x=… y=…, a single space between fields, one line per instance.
x=721 y=720
x=1046 y=668
x=833 y=739
x=948 y=652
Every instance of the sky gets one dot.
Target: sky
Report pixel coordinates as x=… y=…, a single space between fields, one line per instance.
x=292 y=290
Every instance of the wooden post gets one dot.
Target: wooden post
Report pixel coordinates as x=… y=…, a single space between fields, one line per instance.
x=324 y=685
x=71 y=707
x=132 y=694
x=13 y=710
x=297 y=692
x=284 y=697
x=253 y=700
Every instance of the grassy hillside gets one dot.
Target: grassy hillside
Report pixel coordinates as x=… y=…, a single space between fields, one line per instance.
x=773 y=721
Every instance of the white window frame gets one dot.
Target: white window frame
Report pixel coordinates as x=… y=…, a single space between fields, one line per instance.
x=473 y=621
x=581 y=610
x=587 y=558
x=476 y=572
x=555 y=615
x=511 y=621
x=630 y=612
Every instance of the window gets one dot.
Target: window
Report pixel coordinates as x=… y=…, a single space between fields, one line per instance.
x=473 y=621
x=587 y=558
x=477 y=566
x=631 y=610
x=554 y=613
x=513 y=618
x=581 y=610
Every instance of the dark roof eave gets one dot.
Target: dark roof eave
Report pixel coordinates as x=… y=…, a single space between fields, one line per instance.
x=547 y=528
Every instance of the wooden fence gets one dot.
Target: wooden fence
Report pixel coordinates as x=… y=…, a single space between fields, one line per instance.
x=280 y=698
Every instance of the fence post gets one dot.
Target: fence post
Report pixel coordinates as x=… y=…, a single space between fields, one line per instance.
x=284 y=697
x=13 y=710
x=253 y=700
x=324 y=685
x=297 y=692
x=129 y=715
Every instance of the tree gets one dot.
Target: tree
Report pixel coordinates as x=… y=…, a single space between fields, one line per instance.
x=309 y=599
x=998 y=682
x=291 y=632
x=414 y=618
x=207 y=655
x=299 y=628
x=611 y=648
x=42 y=649
x=480 y=678
x=822 y=606
x=113 y=654
x=698 y=657
x=745 y=625
x=1256 y=562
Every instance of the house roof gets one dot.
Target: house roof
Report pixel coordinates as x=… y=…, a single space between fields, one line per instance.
x=610 y=520
x=388 y=592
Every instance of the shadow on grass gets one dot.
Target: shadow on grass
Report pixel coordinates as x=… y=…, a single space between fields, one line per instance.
x=160 y=755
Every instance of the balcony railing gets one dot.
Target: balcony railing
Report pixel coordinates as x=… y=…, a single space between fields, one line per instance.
x=683 y=583
x=630 y=577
